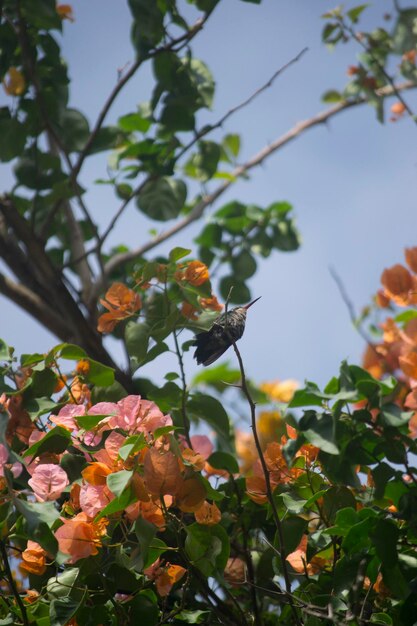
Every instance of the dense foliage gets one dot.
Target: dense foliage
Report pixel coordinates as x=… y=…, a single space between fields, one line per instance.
x=122 y=501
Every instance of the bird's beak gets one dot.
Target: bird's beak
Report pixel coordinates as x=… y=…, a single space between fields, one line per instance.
x=253 y=302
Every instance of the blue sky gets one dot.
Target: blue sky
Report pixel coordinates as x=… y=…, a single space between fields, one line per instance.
x=352 y=182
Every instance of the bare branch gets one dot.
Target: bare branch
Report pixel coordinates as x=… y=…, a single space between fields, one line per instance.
x=351 y=309
x=240 y=106
x=297 y=130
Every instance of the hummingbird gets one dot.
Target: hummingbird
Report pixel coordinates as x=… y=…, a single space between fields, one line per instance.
x=226 y=329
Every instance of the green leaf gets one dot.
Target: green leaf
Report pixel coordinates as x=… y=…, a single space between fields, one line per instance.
x=231 y=143
x=42 y=14
x=345 y=519
x=13 y=136
x=404 y=37
x=224 y=461
x=56 y=440
x=126 y=498
x=217 y=376
x=62 y=610
x=203 y=82
x=203 y=164
x=69 y=351
x=89 y=422
x=137 y=341
x=332 y=96
x=319 y=429
x=207 y=408
x=73 y=130
x=193 y=617
x=148 y=27
x=293 y=529
x=146 y=533
x=243 y=265
x=336 y=498
x=178 y=253
x=391 y=415
x=353 y=14
x=4 y=351
x=207 y=547
x=99 y=374
x=60 y=586
x=293 y=503
x=240 y=293
x=385 y=536
x=381 y=618
x=162 y=199
x=118 y=481
x=39 y=516
x=134 y=122
x=132 y=444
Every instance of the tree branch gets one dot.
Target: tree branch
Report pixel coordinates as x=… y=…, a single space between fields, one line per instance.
x=34 y=305
x=242 y=105
x=124 y=257
x=187 y=37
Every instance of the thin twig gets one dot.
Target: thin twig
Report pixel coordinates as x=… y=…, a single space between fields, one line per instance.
x=269 y=491
x=351 y=310
x=185 y=420
x=380 y=66
x=238 y=107
x=12 y=583
x=125 y=257
x=187 y=37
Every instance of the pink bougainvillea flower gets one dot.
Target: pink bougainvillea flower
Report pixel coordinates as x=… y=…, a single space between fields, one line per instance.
x=15 y=468
x=67 y=414
x=202 y=445
x=48 y=482
x=79 y=537
x=131 y=414
x=93 y=498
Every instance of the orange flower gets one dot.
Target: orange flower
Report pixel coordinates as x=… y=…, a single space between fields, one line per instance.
x=60 y=383
x=352 y=70
x=14 y=84
x=65 y=12
x=165 y=576
x=193 y=458
x=34 y=558
x=196 y=273
x=410 y=56
x=83 y=367
x=121 y=303
x=411 y=258
x=298 y=560
x=281 y=391
x=80 y=538
x=211 y=303
x=408 y=364
x=382 y=299
x=188 y=311
x=398 y=108
x=190 y=495
x=208 y=514
x=31 y=596
x=398 y=283
x=235 y=571
x=96 y=473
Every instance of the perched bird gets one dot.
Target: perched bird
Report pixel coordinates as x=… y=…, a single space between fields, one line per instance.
x=213 y=343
